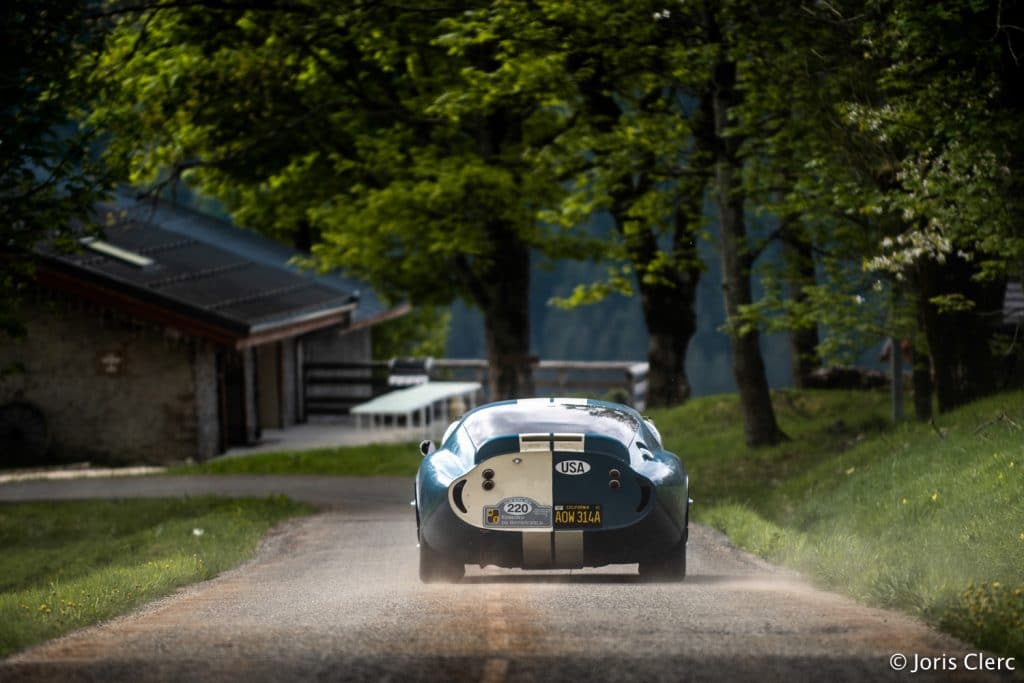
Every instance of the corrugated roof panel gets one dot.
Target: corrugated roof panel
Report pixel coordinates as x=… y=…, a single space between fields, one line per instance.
x=193 y=224
x=217 y=284
x=296 y=301
x=220 y=288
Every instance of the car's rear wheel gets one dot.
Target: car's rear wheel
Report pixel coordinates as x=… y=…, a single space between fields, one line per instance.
x=437 y=568
x=670 y=567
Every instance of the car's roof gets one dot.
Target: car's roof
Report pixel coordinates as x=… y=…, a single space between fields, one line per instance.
x=552 y=416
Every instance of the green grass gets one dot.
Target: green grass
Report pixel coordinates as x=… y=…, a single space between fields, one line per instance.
x=65 y=565
x=358 y=461
x=930 y=522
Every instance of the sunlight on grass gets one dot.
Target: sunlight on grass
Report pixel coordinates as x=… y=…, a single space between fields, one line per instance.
x=899 y=516
x=363 y=461
x=69 y=564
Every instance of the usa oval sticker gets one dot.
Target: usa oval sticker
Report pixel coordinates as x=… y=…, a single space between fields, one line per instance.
x=572 y=467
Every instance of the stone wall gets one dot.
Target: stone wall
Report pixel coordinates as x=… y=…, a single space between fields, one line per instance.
x=113 y=391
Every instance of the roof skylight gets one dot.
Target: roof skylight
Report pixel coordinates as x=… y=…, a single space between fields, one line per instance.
x=114 y=251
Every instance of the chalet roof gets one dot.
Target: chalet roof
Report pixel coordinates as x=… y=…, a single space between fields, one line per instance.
x=175 y=217
x=226 y=292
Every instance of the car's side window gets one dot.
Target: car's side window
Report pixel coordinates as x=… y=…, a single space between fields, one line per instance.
x=653 y=435
x=448 y=432
x=462 y=444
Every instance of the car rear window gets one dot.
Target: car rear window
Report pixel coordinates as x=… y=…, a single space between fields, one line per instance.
x=544 y=417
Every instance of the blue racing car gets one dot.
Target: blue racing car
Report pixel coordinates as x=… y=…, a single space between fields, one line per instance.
x=554 y=483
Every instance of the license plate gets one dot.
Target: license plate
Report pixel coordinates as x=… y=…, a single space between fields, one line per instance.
x=578 y=516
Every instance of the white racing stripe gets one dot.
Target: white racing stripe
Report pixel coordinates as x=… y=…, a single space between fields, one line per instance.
x=531 y=443
x=568 y=549
x=536 y=550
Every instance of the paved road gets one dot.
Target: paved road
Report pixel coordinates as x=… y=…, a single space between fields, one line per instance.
x=335 y=597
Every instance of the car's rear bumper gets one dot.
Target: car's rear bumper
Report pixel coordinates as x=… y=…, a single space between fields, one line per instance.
x=651 y=536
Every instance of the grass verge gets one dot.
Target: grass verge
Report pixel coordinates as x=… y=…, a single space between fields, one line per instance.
x=66 y=565
x=357 y=461
x=927 y=519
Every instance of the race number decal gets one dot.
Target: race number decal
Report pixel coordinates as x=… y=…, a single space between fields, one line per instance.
x=517 y=513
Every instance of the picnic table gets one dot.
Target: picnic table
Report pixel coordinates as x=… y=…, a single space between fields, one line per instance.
x=418 y=406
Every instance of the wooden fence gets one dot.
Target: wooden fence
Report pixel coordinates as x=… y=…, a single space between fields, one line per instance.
x=334 y=388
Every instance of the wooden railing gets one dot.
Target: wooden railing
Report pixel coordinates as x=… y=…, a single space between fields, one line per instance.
x=625 y=381
x=333 y=388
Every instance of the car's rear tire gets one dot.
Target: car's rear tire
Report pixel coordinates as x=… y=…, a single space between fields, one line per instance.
x=436 y=568
x=669 y=567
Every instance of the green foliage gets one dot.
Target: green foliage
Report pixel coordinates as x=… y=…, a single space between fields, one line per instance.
x=420 y=146
x=421 y=333
x=356 y=461
x=66 y=565
x=48 y=174
x=853 y=314
x=847 y=498
x=619 y=131
x=897 y=143
x=955 y=160
x=619 y=282
x=328 y=117
x=990 y=613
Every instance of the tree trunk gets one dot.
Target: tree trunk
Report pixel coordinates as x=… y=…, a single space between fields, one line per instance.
x=922 y=379
x=504 y=299
x=759 y=424
x=670 y=315
x=501 y=282
x=669 y=301
x=800 y=273
x=959 y=341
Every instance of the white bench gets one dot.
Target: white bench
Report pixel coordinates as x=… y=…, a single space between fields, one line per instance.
x=420 y=405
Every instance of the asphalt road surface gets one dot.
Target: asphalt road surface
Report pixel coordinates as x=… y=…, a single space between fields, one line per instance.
x=336 y=597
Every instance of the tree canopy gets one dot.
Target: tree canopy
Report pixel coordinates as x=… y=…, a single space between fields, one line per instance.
x=435 y=150
x=48 y=169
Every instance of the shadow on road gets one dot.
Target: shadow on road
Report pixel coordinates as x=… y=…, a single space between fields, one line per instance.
x=553 y=578
x=696 y=579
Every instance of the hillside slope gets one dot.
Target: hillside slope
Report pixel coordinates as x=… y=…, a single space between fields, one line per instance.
x=925 y=518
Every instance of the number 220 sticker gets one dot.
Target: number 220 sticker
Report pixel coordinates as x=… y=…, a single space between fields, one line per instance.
x=517 y=513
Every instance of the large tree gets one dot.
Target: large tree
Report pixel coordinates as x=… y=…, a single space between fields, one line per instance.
x=653 y=96
x=633 y=144
x=949 y=110
x=909 y=183
x=320 y=119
